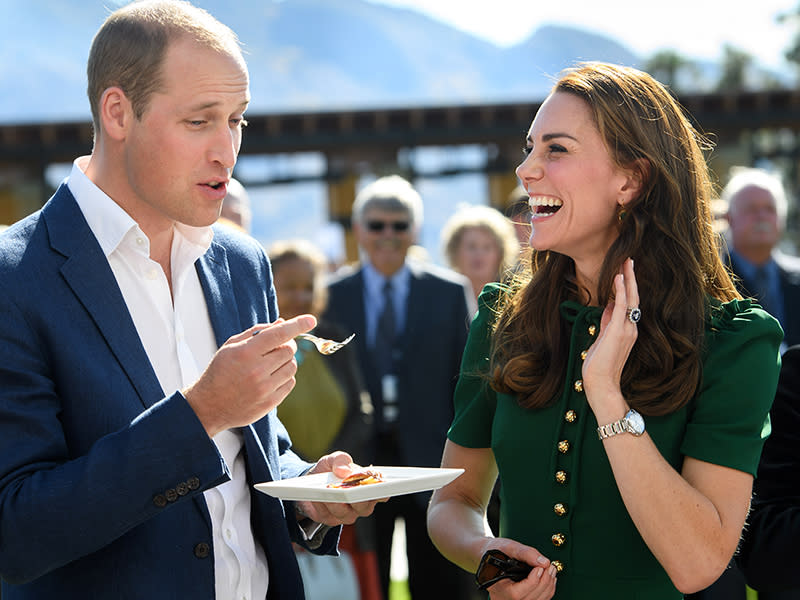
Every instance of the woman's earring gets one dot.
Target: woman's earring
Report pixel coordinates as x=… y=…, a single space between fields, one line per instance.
x=622 y=214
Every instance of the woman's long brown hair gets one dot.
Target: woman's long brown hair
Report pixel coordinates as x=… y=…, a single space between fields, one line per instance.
x=668 y=232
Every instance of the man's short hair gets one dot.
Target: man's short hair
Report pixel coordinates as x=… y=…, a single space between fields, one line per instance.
x=391 y=193
x=744 y=177
x=129 y=48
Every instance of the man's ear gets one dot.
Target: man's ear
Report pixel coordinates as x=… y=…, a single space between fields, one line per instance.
x=637 y=175
x=116 y=113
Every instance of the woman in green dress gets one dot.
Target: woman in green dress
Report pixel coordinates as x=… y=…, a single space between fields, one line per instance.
x=623 y=409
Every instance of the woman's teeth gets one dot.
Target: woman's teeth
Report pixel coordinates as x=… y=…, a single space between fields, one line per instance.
x=543 y=205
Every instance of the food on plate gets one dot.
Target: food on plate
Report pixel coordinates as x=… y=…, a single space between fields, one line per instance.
x=360 y=477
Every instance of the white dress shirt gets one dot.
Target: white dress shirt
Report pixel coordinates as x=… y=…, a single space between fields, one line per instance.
x=177 y=335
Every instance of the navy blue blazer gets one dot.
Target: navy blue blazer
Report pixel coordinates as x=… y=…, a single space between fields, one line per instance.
x=437 y=324
x=101 y=475
x=789 y=274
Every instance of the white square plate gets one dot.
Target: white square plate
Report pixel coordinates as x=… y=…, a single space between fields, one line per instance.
x=397 y=481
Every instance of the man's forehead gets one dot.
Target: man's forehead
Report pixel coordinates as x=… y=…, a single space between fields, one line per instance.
x=397 y=213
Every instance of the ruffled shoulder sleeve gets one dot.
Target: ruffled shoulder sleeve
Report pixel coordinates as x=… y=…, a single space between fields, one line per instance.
x=474 y=399
x=729 y=419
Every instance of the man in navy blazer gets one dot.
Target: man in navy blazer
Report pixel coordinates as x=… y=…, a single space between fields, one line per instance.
x=136 y=400
x=411 y=324
x=757 y=208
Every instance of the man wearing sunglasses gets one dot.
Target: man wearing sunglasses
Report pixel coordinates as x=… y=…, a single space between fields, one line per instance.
x=411 y=322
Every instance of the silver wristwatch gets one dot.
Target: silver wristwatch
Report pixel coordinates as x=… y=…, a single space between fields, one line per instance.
x=632 y=422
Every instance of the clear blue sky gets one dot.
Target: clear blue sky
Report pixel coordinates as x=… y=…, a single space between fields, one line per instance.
x=695 y=28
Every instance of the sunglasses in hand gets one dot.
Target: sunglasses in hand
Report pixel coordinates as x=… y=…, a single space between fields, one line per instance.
x=496 y=565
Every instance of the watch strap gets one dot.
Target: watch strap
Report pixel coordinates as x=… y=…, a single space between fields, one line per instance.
x=612 y=429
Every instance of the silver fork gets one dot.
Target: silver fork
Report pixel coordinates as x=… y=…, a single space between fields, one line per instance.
x=326 y=346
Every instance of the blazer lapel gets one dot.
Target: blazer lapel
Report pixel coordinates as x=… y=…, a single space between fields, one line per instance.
x=214 y=273
x=87 y=272
x=415 y=304
x=354 y=311
x=215 y=279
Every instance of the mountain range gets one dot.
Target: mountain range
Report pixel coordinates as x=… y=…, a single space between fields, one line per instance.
x=312 y=55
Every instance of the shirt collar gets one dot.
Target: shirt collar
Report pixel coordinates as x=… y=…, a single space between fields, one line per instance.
x=373 y=280
x=747 y=270
x=111 y=224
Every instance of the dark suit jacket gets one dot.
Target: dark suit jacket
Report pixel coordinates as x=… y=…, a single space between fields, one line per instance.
x=101 y=476
x=771 y=546
x=789 y=269
x=432 y=343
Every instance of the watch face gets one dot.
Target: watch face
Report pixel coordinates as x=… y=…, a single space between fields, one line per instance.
x=635 y=422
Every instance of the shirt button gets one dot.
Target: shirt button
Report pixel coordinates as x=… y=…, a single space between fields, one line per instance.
x=578 y=385
x=202 y=550
x=152 y=274
x=561 y=477
x=592 y=329
x=563 y=446
x=570 y=416
x=228 y=534
x=558 y=539
x=560 y=509
x=140 y=241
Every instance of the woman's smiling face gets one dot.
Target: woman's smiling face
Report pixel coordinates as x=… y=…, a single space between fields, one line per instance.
x=574 y=186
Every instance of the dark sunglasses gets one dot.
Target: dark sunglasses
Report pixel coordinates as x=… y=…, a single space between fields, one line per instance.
x=496 y=565
x=397 y=226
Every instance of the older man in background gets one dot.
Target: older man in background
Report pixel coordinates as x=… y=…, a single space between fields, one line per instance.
x=756 y=216
x=410 y=321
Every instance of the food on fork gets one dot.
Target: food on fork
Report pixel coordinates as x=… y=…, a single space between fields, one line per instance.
x=360 y=477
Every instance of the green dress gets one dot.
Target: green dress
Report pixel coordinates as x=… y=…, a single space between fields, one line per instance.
x=558 y=493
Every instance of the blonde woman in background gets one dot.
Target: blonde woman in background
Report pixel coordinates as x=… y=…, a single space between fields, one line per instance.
x=480 y=243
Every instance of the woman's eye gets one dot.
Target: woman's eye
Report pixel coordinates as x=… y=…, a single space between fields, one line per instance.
x=557 y=148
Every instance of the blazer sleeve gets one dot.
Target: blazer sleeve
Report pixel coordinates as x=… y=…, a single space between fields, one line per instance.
x=57 y=503
x=771 y=542
x=85 y=456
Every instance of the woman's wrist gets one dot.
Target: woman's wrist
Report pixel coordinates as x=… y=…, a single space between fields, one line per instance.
x=608 y=407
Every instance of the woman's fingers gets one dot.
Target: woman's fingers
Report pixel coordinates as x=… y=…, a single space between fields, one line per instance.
x=631 y=286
